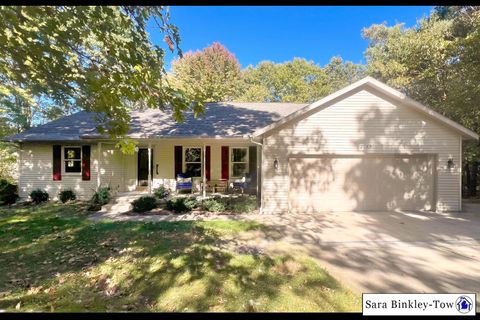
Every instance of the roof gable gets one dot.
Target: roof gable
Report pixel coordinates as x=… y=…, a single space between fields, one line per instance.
x=365 y=83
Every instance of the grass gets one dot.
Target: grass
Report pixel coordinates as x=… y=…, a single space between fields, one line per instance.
x=54 y=259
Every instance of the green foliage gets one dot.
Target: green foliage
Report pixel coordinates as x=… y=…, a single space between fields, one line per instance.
x=67 y=195
x=8 y=192
x=214 y=205
x=101 y=197
x=144 y=204
x=191 y=203
x=243 y=204
x=161 y=192
x=57 y=59
x=210 y=75
x=240 y=204
x=177 y=205
x=39 y=196
x=299 y=80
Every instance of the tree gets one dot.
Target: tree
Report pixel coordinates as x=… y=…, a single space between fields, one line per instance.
x=341 y=74
x=437 y=63
x=210 y=75
x=96 y=58
x=295 y=81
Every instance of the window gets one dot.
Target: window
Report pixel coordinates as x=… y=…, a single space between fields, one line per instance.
x=239 y=160
x=193 y=161
x=72 y=158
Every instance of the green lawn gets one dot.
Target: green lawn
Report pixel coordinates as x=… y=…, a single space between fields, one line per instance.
x=54 y=259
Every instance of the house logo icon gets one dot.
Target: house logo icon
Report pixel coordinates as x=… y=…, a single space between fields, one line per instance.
x=463 y=304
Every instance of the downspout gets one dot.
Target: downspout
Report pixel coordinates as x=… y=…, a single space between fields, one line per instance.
x=259 y=172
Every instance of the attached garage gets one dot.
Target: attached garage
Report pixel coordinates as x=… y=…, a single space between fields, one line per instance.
x=365 y=183
x=366 y=147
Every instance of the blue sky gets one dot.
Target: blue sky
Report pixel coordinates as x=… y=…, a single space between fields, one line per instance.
x=279 y=34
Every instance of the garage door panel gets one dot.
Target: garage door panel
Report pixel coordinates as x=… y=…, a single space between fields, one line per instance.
x=360 y=183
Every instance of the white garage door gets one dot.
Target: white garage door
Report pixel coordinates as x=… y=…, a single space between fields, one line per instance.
x=363 y=183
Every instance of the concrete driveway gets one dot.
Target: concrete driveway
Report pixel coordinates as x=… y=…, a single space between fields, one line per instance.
x=404 y=252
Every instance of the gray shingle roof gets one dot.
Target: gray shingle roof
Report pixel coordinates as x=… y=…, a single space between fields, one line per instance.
x=220 y=119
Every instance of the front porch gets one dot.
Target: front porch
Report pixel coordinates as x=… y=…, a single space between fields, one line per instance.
x=196 y=166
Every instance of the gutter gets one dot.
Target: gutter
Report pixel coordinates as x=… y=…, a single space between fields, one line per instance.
x=250 y=138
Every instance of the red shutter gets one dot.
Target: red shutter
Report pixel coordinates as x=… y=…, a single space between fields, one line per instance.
x=207 y=163
x=178 y=160
x=225 y=162
x=86 y=163
x=57 y=163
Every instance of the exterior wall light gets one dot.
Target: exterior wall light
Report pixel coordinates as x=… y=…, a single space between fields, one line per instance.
x=275 y=164
x=450 y=163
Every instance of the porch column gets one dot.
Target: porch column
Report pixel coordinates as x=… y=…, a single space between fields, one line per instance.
x=149 y=168
x=99 y=159
x=204 y=171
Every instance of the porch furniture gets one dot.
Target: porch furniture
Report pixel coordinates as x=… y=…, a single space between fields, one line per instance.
x=183 y=182
x=239 y=185
x=217 y=186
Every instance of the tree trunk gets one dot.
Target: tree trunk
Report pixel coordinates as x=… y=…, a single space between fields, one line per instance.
x=466 y=189
x=473 y=179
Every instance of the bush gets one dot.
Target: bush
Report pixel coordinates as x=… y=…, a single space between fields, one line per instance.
x=8 y=192
x=162 y=192
x=67 y=195
x=177 y=205
x=214 y=205
x=101 y=197
x=39 y=196
x=191 y=203
x=144 y=204
x=243 y=204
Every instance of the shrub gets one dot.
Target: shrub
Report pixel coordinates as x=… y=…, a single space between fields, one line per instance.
x=214 y=205
x=144 y=204
x=67 y=195
x=162 y=192
x=100 y=197
x=243 y=204
x=39 y=196
x=191 y=203
x=177 y=205
x=8 y=192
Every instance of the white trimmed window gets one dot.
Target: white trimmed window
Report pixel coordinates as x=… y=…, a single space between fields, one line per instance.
x=192 y=161
x=72 y=159
x=238 y=162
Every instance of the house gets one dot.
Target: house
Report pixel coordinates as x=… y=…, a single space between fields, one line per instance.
x=366 y=147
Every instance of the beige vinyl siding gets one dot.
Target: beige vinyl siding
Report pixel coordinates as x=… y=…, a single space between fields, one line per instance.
x=366 y=122
x=35 y=163
x=112 y=168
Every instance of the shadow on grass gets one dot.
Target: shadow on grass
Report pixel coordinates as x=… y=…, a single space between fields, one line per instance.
x=54 y=259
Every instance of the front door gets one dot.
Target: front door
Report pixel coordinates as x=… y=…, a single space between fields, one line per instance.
x=143 y=167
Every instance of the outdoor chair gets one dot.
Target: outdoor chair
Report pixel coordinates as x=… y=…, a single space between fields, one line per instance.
x=183 y=183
